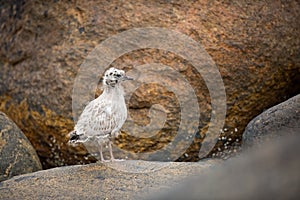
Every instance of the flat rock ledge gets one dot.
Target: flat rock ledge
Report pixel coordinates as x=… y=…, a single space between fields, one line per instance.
x=119 y=180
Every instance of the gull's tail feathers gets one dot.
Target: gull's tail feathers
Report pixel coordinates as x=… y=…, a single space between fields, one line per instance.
x=76 y=138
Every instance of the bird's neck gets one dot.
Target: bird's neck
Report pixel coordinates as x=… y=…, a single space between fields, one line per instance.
x=114 y=90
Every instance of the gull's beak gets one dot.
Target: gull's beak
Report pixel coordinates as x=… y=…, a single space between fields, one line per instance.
x=125 y=78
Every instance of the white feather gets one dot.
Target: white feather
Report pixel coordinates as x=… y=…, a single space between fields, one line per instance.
x=103 y=116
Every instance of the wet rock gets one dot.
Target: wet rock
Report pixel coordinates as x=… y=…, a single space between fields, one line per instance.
x=17 y=156
x=121 y=180
x=254 y=44
x=276 y=122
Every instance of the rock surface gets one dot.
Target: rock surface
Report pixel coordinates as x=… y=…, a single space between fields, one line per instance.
x=262 y=173
x=267 y=172
x=276 y=122
x=100 y=181
x=255 y=45
x=17 y=156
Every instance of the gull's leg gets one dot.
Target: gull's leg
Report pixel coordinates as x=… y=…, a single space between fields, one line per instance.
x=100 y=151
x=101 y=154
x=110 y=151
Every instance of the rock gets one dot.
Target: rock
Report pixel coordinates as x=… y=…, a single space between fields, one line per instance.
x=122 y=180
x=43 y=44
x=17 y=156
x=269 y=172
x=276 y=122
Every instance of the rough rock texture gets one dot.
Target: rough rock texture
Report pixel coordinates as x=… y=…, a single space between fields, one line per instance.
x=263 y=173
x=255 y=45
x=269 y=172
x=17 y=156
x=276 y=122
x=100 y=181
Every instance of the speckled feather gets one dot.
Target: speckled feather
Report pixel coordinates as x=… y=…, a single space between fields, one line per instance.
x=103 y=117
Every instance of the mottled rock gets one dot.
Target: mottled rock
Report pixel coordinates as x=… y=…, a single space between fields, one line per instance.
x=17 y=156
x=254 y=44
x=122 y=180
x=276 y=122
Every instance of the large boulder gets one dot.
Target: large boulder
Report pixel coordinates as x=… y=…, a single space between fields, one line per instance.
x=276 y=122
x=17 y=156
x=122 y=180
x=254 y=44
x=266 y=172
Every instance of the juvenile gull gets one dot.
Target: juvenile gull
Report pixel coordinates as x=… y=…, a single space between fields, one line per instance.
x=102 y=119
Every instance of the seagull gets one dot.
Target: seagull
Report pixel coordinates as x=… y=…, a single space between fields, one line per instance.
x=102 y=119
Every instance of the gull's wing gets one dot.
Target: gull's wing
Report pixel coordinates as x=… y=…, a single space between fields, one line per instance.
x=96 y=119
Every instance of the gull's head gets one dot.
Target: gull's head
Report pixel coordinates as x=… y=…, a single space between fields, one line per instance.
x=114 y=76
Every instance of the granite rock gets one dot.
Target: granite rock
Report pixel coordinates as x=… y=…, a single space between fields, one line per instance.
x=17 y=156
x=120 y=180
x=270 y=171
x=43 y=44
x=276 y=122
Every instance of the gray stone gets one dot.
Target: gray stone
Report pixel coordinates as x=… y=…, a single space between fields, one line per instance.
x=271 y=172
x=268 y=172
x=17 y=156
x=276 y=122
x=119 y=180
